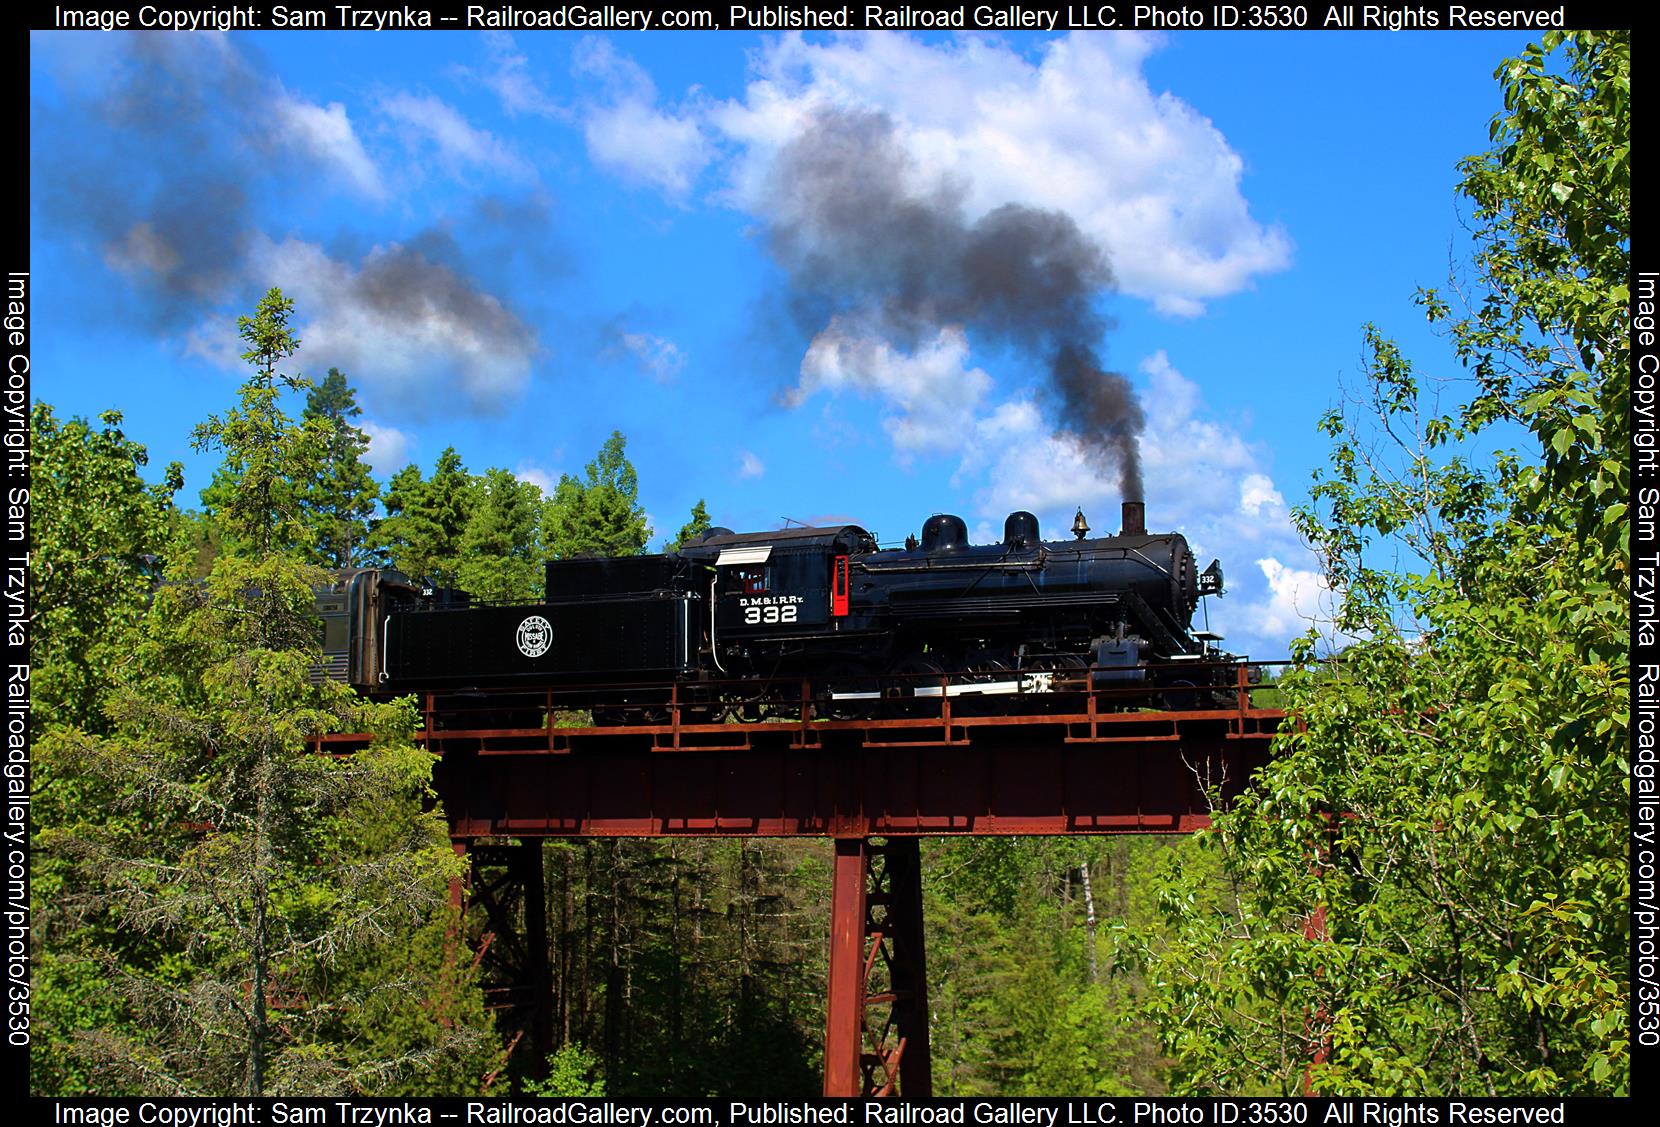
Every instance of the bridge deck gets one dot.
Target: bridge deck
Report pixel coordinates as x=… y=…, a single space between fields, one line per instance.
x=1094 y=760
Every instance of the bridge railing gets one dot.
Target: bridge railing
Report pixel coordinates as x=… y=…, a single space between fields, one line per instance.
x=928 y=707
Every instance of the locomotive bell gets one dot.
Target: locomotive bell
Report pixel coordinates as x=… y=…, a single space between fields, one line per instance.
x=1080 y=526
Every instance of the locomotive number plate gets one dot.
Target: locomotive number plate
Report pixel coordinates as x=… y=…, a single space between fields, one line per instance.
x=770 y=609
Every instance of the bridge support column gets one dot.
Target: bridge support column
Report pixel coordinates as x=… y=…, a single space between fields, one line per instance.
x=877 y=961
x=506 y=882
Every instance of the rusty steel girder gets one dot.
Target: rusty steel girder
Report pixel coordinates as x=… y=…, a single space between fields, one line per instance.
x=1029 y=780
x=876 y=1020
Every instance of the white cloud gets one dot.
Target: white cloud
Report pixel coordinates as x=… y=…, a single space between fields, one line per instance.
x=1078 y=131
x=629 y=134
x=1028 y=467
x=388 y=447
x=510 y=79
x=398 y=323
x=750 y=466
x=658 y=357
x=460 y=146
x=326 y=133
x=542 y=479
x=1297 y=599
x=214 y=340
x=930 y=393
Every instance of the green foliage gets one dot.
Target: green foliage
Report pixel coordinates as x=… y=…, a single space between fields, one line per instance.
x=426 y=519
x=500 y=560
x=693 y=530
x=1452 y=797
x=97 y=533
x=572 y=1071
x=97 y=530
x=228 y=910
x=1026 y=998
x=600 y=515
x=254 y=861
x=256 y=497
x=339 y=496
x=688 y=967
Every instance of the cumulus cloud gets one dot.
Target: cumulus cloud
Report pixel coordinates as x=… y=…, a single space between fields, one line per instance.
x=1078 y=131
x=427 y=122
x=402 y=324
x=929 y=394
x=750 y=466
x=509 y=77
x=541 y=478
x=1297 y=599
x=388 y=447
x=658 y=357
x=626 y=130
x=326 y=133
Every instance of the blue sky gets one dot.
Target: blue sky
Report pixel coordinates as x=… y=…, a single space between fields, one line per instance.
x=516 y=244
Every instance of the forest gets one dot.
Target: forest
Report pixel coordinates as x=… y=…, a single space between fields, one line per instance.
x=1427 y=891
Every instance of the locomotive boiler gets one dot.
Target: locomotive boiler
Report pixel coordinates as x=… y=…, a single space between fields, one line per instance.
x=824 y=604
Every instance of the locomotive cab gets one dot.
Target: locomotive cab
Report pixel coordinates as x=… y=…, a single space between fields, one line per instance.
x=772 y=590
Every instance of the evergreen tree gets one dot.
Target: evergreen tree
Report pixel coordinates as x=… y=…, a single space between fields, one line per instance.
x=270 y=903
x=339 y=499
x=500 y=560
x=255 y=498
x=426 y=519
x=600 y=515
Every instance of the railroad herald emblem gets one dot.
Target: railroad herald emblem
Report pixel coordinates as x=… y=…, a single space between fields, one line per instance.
x=535 y=636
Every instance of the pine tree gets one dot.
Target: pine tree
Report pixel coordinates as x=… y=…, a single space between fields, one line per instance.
x=600 y=515
x=255 y=497
x=250 y=880
x=426 y=519
x=339 y=499
x=500 y=560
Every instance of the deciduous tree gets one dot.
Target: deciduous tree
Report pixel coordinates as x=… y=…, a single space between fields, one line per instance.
x=1431 y=878
x=694 y=529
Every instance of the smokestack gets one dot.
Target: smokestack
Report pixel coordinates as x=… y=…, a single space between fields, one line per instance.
x=1135 y=518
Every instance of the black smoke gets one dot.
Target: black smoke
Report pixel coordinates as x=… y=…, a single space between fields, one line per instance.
x=177 y=157
x=156 y=154
x=860 y=242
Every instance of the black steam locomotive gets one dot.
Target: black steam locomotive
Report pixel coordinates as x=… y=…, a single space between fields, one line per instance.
x=822 y=604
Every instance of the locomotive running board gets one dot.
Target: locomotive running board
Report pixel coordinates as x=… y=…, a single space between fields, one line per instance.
x=1033 y=683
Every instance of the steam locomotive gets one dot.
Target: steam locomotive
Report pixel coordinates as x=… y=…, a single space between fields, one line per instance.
x=824 y=604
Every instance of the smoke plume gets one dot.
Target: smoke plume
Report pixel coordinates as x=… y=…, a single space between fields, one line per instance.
x=862 y=245
x=190 y=153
